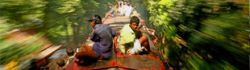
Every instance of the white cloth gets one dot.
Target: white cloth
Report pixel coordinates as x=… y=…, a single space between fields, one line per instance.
x=136 y=48
x=124 y=9
x=129 y=10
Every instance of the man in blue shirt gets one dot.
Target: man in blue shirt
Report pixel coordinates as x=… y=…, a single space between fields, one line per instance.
x=102 y=41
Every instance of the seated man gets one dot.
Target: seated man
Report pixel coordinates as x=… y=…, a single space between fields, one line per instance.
x=131 y=39
x=101 y=45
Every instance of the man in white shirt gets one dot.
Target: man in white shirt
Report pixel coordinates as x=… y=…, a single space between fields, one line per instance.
x=129 y=10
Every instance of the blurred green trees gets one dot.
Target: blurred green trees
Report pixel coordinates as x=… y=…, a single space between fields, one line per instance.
x=201 y=34
x=23 y=14
x=57 y=18
x=195 y=34
x=61 y=21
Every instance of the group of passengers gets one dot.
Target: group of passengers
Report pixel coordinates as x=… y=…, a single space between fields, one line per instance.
x=124 y=8
x=130 y=40
x=121 y=8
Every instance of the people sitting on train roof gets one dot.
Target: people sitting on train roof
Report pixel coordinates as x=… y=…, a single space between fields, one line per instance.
x=124 y=8
x=119 y=9
x=100 y=46
x=131 y=39
x=128 y=9
x=114 y=10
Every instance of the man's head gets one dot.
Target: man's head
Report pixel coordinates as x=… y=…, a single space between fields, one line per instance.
x=134 y=22
x=96 y=19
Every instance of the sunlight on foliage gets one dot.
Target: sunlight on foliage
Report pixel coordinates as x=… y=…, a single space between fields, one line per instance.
x=201 y=34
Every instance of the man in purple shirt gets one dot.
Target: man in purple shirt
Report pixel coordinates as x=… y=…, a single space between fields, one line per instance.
x=102 y=38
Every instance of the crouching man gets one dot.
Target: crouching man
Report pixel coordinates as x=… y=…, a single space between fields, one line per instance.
x=101 y=45
x=131 y=39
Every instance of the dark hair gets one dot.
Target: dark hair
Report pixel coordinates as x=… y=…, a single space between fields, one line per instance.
x=134 y=19
x=98 y=19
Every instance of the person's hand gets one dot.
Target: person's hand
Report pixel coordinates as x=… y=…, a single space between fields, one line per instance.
x=155 y=41
x=151 y=31
x=130 y=52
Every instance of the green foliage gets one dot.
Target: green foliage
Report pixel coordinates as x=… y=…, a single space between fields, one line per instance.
x=201 y=34
x=159 y=17
x=66 y=6
x=22 y=12
x=14 y=50
x=61 y=21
